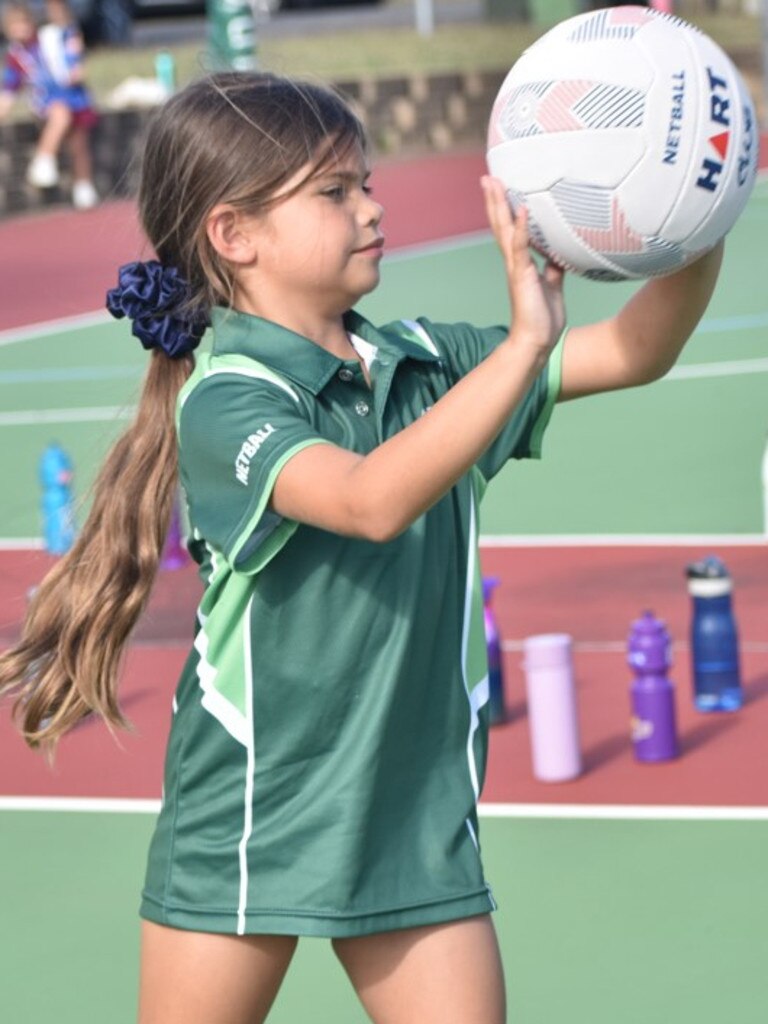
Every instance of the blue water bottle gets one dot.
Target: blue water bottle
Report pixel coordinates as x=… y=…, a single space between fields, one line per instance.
x=493 y=643
x=714 y=637
x=56 y=482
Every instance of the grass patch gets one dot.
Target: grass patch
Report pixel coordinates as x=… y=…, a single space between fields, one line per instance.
x=379 y=53
x=339 y=56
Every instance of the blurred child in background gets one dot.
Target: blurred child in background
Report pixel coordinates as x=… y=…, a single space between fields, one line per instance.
x=49 y=63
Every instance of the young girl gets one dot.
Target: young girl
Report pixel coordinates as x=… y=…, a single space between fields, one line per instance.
x=329 y=729
x=49 y=62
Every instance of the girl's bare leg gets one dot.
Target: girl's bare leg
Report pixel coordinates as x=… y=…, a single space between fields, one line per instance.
x=202 y=978
x=58 y=119
x=441 y=974
x=80 y=151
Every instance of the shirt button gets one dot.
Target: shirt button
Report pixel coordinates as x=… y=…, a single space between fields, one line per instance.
x=346 y=375
x=362 y=408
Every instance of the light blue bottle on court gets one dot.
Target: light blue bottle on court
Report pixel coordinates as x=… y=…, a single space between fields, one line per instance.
x=714 y=637
x=56 y=482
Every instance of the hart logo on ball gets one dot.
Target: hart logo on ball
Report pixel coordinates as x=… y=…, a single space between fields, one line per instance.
x=719 y=105
x=630 y=138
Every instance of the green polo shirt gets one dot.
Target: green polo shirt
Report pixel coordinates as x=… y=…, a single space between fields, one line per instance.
x=329 y=733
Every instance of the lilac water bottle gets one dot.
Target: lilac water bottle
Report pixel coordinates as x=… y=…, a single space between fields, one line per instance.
x=493 y=643
x=649 y=654
x=552 y=707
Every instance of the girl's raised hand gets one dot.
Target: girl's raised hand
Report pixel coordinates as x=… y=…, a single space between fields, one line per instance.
x=538 y=311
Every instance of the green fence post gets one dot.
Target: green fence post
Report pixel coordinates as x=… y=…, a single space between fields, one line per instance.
x=231 y=35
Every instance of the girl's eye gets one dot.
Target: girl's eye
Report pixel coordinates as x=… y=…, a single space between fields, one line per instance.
x=336 y=192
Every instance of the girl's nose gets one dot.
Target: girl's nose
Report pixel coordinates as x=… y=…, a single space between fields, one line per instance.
x=372 y=212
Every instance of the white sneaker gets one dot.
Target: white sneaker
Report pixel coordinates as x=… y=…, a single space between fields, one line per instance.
x=84 y=195
x=43 y=171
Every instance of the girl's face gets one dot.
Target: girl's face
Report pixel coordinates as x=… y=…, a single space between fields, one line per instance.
x=318 y=251
x=18 y=27
x=57 y=13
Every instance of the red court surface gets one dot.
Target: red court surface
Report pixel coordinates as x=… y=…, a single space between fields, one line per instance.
x=593 y=593
x=61 y=264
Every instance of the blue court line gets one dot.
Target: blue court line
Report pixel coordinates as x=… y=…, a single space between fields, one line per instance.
x=732 y=323
x=55 y=375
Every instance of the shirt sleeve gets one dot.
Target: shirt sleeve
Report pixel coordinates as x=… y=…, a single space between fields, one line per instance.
x=12 y=76
x=235 y=435
x=462 y=347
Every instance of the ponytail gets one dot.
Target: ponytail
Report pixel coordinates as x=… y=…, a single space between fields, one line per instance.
x=67 y=663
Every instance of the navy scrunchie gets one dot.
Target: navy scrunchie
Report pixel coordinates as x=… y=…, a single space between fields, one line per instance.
x=150 y=295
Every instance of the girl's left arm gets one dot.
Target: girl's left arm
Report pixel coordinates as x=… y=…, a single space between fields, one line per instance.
x=642 y=342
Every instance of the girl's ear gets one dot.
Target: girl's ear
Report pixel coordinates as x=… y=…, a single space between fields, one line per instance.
x=232 y=235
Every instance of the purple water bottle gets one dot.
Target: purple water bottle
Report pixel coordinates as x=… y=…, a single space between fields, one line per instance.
x=174 y=553
x=649 y=654
x=493 y=642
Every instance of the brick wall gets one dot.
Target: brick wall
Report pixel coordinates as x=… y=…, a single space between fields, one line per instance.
x=404 y=115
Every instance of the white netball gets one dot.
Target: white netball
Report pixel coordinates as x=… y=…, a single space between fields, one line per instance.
x=630 y=137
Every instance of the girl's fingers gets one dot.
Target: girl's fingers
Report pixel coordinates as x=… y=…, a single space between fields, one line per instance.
x=492 y=206
x=520 y=239
x=496 y=204
x=553 y=274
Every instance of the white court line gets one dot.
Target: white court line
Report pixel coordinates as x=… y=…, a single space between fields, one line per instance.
x=622 y=540
x=624 y=812
x=602 y=812
x=47 y=327
x=77 y=804
x=438 y=248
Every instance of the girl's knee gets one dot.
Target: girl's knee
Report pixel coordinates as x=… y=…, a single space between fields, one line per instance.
x=58 y=113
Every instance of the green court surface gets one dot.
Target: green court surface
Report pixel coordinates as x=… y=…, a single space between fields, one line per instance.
x=680 y=456
x=600 y=922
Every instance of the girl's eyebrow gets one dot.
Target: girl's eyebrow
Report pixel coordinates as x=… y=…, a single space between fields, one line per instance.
x=346 y=177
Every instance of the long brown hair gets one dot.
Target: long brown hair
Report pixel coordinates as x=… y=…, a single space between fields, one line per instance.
x=232 y=138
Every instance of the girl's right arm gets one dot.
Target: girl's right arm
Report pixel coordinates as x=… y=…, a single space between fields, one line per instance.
x=377 y=496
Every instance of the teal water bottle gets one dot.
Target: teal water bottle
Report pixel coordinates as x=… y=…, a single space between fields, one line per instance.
x=165 y=71
x=714 y=637
x=55 y=472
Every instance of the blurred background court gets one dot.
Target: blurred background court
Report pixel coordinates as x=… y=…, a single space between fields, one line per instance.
x=636 y=892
